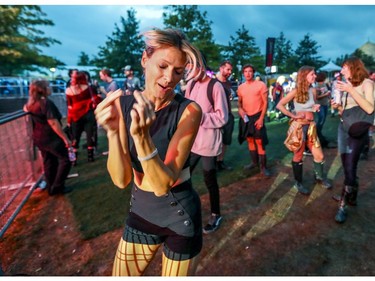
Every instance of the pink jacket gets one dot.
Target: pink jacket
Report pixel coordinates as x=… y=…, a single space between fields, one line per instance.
x=209 y=138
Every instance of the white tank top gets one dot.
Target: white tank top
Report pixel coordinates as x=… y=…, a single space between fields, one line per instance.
x=307 y=106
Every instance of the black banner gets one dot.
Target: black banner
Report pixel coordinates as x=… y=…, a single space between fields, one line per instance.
x=270 y=47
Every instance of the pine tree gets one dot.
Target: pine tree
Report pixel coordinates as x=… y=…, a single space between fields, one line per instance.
x=307 y=52
x=194 y=24
x=242 y=49
x=283 y=54
x=20 y=39
x=124 y=47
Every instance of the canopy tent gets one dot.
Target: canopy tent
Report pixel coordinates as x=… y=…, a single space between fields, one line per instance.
x=329 y=67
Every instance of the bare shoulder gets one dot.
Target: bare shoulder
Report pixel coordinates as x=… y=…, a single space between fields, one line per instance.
x=192 y=112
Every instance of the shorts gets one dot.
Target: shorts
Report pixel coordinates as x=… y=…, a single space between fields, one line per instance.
x=174 y=219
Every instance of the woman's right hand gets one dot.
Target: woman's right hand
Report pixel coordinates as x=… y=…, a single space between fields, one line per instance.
x=299 y=115
x=106 y=112
x=143 y=115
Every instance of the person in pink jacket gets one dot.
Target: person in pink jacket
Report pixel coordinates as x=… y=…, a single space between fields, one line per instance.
x=208 y=143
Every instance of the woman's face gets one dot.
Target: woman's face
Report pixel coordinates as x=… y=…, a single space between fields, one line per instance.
x=311 y=76
x=345 y=70
x=163 y=70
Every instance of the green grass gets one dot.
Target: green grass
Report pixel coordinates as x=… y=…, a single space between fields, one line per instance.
x=99 y=206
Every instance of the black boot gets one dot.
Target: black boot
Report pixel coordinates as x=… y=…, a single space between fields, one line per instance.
x=346 y=196
x=352 y=199
x=263 y=167
x=255 y=160
x=319 y=177
x=90 y=154
x=298 y=172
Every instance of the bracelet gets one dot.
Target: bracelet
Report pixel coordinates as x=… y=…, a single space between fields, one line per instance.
x=150 y=156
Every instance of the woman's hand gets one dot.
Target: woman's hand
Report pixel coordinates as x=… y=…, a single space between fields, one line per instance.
x=143 y=115
x=316 y=107
x=344 y=86
x=106 y=112
x=67 y=142
x=299 y=115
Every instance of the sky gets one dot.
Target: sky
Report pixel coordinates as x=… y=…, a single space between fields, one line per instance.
x=338 y=29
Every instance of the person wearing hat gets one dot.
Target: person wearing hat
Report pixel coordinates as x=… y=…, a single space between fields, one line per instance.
x=131 y=82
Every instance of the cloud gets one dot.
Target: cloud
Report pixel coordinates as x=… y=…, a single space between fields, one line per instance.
x=338 y=29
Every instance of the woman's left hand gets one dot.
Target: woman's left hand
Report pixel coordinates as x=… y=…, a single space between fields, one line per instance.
x=316 y=107
x=143 y=115
x=344 y=86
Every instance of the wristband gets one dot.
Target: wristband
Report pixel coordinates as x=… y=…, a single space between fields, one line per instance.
x=150 y=156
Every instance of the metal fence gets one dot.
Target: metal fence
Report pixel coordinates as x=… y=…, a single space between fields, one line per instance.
x=21 y=166
x=14 y=92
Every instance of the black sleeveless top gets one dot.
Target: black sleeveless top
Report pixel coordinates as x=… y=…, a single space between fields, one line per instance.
x=161 y=131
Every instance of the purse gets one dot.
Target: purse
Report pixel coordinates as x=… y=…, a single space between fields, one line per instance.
x=356 y=121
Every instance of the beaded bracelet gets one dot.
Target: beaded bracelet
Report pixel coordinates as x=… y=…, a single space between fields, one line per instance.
x=150 y=156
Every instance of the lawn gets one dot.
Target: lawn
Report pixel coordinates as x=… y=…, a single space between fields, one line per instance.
x=99 y=206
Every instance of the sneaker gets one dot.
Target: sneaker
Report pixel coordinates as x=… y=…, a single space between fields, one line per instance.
x=222 y=166
x=301 y=189
x=250 y=166
x=265 y=172
x=213 y=224
x=42 y=185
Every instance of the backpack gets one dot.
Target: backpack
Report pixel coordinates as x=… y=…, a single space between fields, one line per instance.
x=210 y=90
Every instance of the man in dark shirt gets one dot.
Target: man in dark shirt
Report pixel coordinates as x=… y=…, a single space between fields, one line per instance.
x=225 y=72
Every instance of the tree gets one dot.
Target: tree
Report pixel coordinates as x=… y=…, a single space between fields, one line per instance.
x=307 y=51
x=242 y=50
x=194 y=24
x=20 y=39
x=369 y=61
x=283 y=54
x=123 y=48
x=83 y=59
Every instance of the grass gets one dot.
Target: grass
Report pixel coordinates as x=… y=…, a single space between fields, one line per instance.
x=99 y=206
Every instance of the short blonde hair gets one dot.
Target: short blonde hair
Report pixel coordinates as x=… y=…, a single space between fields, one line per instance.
x=158 y=38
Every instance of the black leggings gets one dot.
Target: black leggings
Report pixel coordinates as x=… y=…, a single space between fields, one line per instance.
x=350 y=150
x=85 y=124
x=210 y=178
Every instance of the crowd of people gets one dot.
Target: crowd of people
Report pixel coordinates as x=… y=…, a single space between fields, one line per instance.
x=157 y=135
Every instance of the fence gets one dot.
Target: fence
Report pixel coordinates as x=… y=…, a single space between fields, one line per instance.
x=20 y=166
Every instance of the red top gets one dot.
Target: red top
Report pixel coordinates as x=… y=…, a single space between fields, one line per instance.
x=79 y=103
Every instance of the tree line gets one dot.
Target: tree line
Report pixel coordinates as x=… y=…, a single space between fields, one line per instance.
x=20 y=42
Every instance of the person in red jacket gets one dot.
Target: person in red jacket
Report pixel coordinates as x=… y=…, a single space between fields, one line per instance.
x=81 y=113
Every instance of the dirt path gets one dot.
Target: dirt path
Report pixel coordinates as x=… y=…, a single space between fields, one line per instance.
x=268 y=230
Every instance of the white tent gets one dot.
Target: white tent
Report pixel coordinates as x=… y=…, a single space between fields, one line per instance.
x=329 y=67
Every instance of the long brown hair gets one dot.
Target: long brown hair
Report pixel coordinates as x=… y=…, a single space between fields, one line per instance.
x=302 y=84
x=38 y=89
x=357 y=69
x=79 y=78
